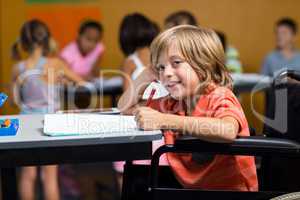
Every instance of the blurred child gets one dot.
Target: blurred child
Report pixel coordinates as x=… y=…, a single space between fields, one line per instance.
x=37 y=77
x=180 y=18
x=135 y=36
x=190 y=63
x=83 y=55
x=233 y=62
x=286 y=54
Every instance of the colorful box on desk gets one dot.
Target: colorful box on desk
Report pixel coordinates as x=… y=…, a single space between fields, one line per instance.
x=8 y=127
x=11 y=129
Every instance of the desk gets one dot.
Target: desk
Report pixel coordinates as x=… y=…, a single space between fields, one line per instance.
x=31 y=147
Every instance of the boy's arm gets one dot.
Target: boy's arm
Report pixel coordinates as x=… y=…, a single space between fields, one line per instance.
x=224 y=129
x=131 y=98
x=210 y=129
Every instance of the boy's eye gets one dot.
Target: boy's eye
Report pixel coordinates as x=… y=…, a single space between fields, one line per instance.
x=177 y=62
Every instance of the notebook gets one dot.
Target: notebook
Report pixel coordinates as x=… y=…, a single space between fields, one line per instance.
x=88 y=124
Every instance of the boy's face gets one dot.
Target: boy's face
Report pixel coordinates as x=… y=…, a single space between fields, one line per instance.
x=88 y=40
x=285 y=37
x=177 y=75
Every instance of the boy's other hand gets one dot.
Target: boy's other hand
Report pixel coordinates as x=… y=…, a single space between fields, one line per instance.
x=148 y=118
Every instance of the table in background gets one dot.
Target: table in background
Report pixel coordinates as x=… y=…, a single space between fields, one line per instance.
x=244 y=82
x=247 y=82
x=82 y=95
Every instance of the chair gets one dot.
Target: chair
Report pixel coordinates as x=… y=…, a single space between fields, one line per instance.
x=256 y=146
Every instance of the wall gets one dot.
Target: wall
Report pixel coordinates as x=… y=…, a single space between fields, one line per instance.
x=248 y=24
x=12 y=16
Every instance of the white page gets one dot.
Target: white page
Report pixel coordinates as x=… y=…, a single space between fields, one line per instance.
x=82 y=124
x=161 y=91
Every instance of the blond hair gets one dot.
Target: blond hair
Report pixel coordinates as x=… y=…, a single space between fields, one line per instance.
x=200 y=47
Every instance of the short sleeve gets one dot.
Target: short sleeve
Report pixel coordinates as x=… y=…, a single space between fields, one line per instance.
x=155 y=104
x=67 y=53
x=229 y=106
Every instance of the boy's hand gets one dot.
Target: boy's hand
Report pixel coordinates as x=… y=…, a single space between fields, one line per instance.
x=148 y=75
x=148 y=118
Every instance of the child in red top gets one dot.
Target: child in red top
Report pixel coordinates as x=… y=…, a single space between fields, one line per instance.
x=189 y=61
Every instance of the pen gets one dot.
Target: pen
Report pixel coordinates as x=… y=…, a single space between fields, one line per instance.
x=151 y=97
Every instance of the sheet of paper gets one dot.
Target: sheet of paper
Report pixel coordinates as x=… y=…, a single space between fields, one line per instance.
x=161 y=91
x=103 y=111
x=82 y=124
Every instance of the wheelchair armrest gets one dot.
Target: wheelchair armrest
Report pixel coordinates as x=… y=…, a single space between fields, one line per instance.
x=252 y=145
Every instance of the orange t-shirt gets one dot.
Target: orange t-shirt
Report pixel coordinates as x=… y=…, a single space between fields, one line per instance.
x=224 y=172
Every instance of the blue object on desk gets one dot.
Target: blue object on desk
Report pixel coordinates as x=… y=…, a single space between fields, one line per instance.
x=10 y=130
x=3 y=98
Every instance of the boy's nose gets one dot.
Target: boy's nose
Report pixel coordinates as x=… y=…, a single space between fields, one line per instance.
x=169 y=71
